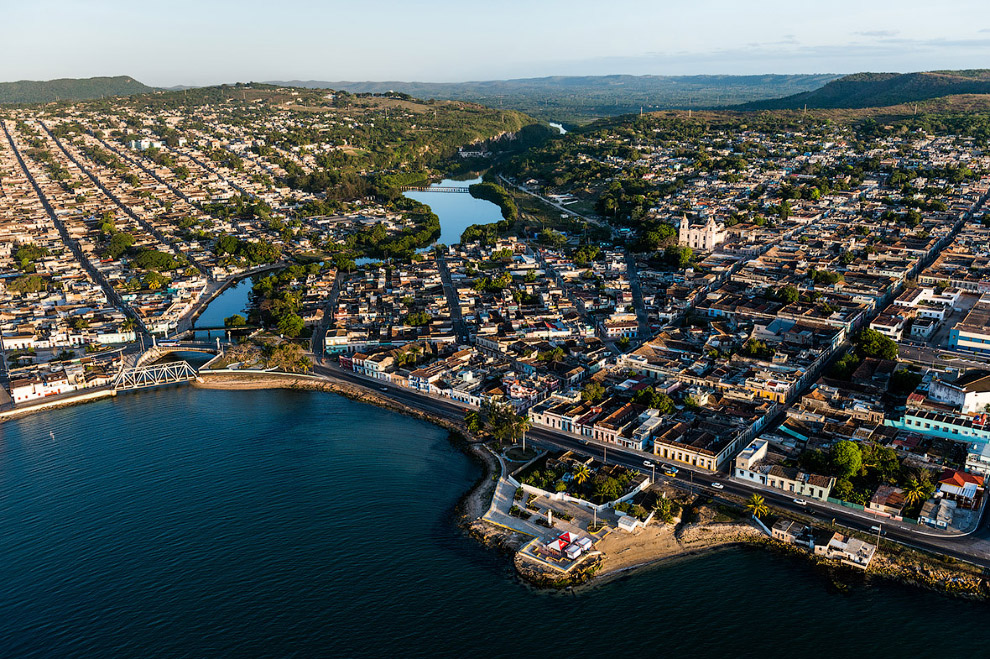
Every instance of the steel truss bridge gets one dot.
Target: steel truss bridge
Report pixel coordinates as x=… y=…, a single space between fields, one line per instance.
x=156 y=375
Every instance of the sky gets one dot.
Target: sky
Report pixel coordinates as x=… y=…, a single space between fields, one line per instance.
x=200 y=42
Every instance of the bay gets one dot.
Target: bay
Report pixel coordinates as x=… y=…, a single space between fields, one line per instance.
x=188 y=522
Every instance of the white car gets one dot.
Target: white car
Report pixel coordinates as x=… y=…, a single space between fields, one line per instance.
x=647 y=463
x=718 y=486
x=383 y=388
x=801 y=502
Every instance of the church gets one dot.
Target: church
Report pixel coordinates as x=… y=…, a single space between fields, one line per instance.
x=704 y=237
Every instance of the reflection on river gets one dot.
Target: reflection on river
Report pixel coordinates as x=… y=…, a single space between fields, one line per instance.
x=456 y=211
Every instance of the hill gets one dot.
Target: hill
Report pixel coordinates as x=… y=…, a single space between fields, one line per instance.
x=864 y=90
x=579 y=99
x=69 y=89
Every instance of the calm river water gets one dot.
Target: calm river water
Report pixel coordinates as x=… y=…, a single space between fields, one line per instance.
x=457 y=211
x=186 y=522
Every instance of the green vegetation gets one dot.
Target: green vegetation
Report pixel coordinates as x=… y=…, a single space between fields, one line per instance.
x=26 y=254
x=757 y=506
x=497 y=195
x=655 y=400
x=593 y=392
x=66 y=89
x=417 y=319
x=28 y=284
x=237 y=320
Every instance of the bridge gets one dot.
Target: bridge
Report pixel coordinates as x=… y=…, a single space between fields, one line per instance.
x=156 y=375
x=437 y=188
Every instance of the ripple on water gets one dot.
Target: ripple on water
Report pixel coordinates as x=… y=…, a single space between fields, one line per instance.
x=199 y=523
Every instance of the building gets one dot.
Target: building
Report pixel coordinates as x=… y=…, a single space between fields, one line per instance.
x=755 y=464
x=963 y=488
x=704 y=237
x=973 y=332
x=888 y=501
x=847 y=550
x=937 y=513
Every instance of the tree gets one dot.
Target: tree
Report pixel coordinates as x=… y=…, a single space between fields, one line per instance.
x=871 y=343
x=582 y=474
x=655 y=400
x=593 y=392
x=757 y=506
x=788 y=294
x=119 y=243
x=607 y=488
x=678 y=257
x=904 y=381
x=473 y=420
x=914 y=492
x=846 y=458
x=237 y=320
x=290 y=325
x=521 y=426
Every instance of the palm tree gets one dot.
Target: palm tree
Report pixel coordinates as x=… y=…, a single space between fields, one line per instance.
x=757 y=506
x=582 y=474
x=914 y=492
x=522 y=425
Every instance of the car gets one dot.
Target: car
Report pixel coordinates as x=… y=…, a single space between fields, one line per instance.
x=718 y=486
x=801 y=502
x=670 y=471
x=647 y=463
x=383 y=388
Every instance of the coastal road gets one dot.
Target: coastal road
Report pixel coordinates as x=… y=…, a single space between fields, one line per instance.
x=974 y=548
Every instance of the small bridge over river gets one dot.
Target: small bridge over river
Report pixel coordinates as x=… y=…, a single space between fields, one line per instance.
x=156 y=375
x=455 y=189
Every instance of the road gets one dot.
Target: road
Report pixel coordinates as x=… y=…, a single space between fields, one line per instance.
x=974 y=548
x=460 y=327
x=637 y=292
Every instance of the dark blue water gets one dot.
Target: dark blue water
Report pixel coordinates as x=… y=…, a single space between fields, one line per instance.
x=235 y=299
x=457 y=211
x=197 y=523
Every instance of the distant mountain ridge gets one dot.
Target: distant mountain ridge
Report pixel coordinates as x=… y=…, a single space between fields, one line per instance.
x=581 y=98
x=865 y=90
x=70 y=89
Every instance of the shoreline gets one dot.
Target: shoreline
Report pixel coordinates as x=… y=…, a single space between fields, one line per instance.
x=647 y=548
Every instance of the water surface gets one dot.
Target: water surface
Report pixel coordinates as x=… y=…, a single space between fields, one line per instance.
x=457 y=211
x=186 y=522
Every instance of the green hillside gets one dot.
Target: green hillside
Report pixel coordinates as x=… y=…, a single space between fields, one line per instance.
x=69 y=89
x=864 y=90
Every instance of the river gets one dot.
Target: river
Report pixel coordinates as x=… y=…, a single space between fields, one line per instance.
x=235 y=299
x=188 y=522
x=456 y=211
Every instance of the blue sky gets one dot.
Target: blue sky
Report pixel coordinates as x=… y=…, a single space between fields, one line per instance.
x=210 y=41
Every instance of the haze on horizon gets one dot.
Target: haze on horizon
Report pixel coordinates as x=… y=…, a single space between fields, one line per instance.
x=212 y=41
